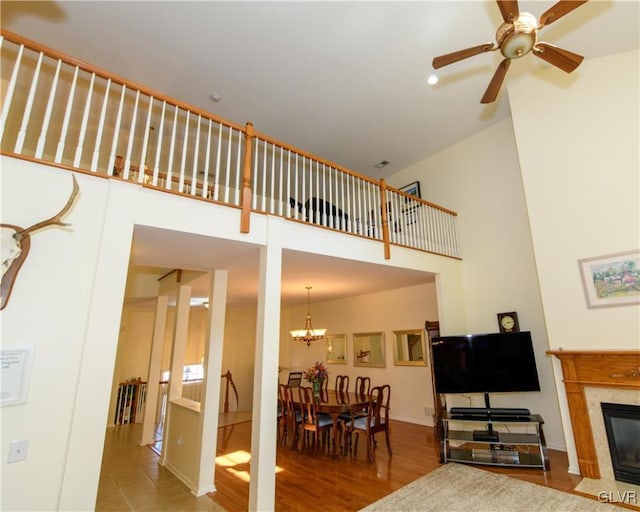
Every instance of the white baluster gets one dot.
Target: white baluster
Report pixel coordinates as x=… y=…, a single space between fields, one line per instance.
x=100 y=130
x=67 y=115
x=10 y=90
x=196 y=151
x=145 y=143
x=172 y=146
x=183 y=158
x=47 y=114
x=216 y=177
x=156 y=163
x=116 y=132
x=207 y=158
x=83 y=125
x=238 y=180
x=27 y=108
x=132 y=131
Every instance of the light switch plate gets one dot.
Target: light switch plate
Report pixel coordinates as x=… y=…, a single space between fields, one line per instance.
x=18 y=450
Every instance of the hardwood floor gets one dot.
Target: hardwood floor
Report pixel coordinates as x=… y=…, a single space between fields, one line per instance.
x=131 y=479
x=305 y=481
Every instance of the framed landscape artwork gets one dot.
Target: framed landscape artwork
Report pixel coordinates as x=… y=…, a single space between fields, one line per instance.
x=412 y=189
x=611 y=280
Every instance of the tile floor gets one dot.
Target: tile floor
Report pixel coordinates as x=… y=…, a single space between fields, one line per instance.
x=132 y=479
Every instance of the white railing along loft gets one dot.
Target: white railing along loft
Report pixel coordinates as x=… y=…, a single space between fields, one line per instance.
x=67 y=113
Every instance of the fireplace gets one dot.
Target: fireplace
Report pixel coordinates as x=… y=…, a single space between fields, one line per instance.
x=603 y=376
x=622 y=424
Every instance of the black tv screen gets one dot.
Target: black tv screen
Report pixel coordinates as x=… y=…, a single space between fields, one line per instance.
x=484 y=363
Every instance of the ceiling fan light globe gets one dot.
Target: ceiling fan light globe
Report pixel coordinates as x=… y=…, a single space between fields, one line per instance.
x=519 y=38
x=518 y=45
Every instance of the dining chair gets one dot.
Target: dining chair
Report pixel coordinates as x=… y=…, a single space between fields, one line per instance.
x=281 y=417
x=313 y=422
x=292 y=417
x=342 y=383
x=363 y=386
x=295 y=378
x=376 y=420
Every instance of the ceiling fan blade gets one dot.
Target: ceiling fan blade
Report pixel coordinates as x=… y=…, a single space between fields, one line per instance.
x=509 y=10
x=491 y=93
x=558 y=10
x=450 y=58
x=564 y=59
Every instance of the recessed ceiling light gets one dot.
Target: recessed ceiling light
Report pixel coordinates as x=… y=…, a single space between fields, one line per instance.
x=432 y=80
x=380 y=165
x=215 y=97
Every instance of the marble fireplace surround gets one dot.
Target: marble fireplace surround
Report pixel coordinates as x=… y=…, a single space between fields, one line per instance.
x=591 y=377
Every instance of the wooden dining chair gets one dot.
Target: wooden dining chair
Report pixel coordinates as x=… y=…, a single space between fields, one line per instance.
x=363 y=386
x=292 y=417
x=313 y=422
x=376 y=420
x=295 y=378
x=281 y=417
x=342 y=384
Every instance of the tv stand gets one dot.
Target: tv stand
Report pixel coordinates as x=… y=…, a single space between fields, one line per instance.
x=516 y=441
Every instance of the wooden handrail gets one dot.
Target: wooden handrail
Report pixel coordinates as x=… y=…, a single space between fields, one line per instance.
x=68 y=59
x=404 y=229
x=226 y=393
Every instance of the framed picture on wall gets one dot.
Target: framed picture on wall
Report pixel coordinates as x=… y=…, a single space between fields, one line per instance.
x=412 y=189
x=612 y=279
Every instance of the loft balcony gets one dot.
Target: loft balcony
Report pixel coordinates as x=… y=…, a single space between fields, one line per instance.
x=69 y=114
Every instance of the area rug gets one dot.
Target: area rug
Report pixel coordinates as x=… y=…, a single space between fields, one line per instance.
x=456 y=487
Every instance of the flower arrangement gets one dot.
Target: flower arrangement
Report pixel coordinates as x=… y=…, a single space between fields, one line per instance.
x=316 y=373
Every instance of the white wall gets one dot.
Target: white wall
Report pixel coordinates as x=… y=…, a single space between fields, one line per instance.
x=582 y=182
x=393 y=310
x=479 y=178
x=580 y=164
x=54 y=308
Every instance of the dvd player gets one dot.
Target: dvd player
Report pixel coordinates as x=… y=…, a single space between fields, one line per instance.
x=493 y=411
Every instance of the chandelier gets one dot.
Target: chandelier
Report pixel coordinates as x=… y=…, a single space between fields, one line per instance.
x=308 y=334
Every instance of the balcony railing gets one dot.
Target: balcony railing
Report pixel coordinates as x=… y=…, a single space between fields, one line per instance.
x=64 y=112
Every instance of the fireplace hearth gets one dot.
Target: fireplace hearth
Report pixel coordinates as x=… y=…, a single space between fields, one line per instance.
x=622 y=424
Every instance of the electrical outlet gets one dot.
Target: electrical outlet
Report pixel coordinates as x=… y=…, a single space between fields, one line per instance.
x=18 y=451
x=179 y=441
x=428 y=411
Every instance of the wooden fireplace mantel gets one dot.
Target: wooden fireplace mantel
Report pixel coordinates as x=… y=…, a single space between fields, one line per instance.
x=601 y=368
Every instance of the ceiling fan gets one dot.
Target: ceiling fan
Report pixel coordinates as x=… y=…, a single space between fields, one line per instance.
x=516 y=37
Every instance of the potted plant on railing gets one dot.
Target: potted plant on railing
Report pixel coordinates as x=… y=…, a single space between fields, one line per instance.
x=316 y=375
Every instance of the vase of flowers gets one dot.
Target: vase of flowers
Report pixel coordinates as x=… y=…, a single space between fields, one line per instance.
x=315 y=375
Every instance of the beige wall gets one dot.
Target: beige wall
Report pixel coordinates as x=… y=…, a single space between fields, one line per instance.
x=398 y=309
x=66 y=302
x=582 y=181
x=568 y=166
x=579 y=157
x=479 y=178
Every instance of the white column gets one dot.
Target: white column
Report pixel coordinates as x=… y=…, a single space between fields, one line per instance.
x=262 y=488
x=210 y=403
x=153 y=377
x=180 y=337
x=179 y=347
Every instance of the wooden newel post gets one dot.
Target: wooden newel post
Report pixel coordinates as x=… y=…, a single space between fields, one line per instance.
x=385 y=220
x=246 y=180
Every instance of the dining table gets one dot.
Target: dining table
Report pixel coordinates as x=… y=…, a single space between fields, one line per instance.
x=334 y=403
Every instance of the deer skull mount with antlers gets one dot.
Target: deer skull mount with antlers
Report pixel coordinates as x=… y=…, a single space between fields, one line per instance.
x=16 y=243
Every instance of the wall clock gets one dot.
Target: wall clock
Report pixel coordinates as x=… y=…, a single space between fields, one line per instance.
x=508 y=322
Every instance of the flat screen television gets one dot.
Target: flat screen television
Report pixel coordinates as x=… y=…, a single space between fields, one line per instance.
x=484 y=363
